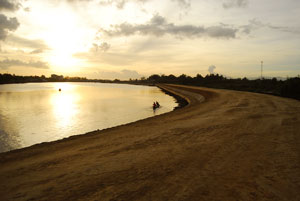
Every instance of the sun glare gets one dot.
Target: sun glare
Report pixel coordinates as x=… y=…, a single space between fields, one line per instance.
x=64 y=86
x=64 y=40
x=65 y=34
x=64 y=104
x=64 y=60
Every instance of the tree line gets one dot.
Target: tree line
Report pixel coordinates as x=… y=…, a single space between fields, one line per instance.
x=286 y=88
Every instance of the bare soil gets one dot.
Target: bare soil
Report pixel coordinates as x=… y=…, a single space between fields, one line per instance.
x=225 y=145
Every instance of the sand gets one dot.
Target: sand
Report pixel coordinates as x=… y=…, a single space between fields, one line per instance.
x=225 y=145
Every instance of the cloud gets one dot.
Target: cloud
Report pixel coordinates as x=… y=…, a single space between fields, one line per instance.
x=6 y=25
x=38 y=46
x=27 y=9
x=9 y=5
x=235 y=3
x=211 y=69
x=103 y=47
x=124 y=74
x=256 y=24
x=185 y=4
x=37 y=51
x=158 y=26
x=6 y=63
x=120 y=4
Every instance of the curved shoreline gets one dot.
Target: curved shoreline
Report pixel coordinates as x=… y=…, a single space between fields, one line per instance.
x=181 y=101
x=232 y=146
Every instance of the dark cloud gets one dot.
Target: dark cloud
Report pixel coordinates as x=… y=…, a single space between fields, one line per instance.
x=6 y=63
x=9 y=5
x=38 y=46
x=158 y=26
x=6 y=25
x=124 y=74
x=235 y=3
x=103 y=47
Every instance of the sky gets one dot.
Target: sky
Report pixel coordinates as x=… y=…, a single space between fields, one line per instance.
x=122 y=39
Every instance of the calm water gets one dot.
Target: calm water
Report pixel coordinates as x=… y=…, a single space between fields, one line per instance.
x=37 y=112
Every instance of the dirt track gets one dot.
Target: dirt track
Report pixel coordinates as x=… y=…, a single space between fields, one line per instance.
x=230 y=146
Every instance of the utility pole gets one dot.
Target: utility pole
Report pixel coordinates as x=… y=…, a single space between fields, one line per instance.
x=261 y=70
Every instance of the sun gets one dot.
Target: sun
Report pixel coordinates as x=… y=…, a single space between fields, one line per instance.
x=65 y=33
x=65 y=37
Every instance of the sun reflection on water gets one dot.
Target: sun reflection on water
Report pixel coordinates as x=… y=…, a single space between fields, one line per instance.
x=65 y=105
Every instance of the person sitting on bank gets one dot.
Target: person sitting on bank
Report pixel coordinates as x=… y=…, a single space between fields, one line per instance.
x=157 y=104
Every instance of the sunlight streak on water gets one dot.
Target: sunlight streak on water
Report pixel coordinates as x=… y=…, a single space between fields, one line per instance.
x=65 y=108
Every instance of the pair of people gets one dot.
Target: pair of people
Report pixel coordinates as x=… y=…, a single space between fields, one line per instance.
x=155 y=105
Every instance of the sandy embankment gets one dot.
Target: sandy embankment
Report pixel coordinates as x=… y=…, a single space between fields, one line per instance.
x=232 y=146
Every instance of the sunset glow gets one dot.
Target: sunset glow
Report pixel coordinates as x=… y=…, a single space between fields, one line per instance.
x=130 y=39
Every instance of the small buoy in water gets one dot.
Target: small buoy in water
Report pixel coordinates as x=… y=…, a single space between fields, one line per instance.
x=59 y=89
